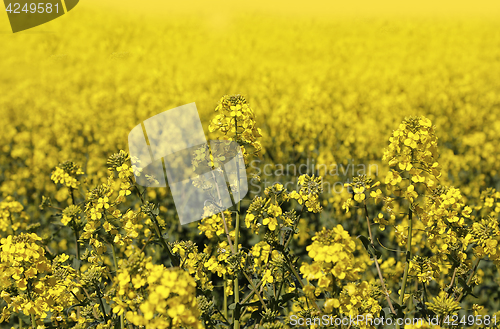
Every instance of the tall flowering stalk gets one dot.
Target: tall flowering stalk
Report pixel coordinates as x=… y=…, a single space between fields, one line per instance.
x=236 y=118
x=359 y=187
x=438 y=218
x=412 y=154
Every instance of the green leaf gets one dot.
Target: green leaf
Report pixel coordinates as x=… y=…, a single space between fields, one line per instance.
x=256 y=303
x=76 y=263
x=399 y=311
x=366 y=242
x=370 y=248
x=256 y=315
x=286 y=297
x=237 y=311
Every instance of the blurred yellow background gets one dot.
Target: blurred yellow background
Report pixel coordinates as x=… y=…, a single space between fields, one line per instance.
x=315 y=7
x=328 y=81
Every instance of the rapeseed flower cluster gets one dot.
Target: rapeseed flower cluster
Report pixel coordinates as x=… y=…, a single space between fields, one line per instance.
x=12 y=215
x=66 y=173
x=31 y=283
x=155 y=296
x=332 y=254
x=235 y=119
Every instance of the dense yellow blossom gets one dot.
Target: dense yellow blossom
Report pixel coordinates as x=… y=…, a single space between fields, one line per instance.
x=371 y=152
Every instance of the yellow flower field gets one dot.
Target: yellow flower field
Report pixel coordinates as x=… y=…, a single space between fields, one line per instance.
x=371 y=146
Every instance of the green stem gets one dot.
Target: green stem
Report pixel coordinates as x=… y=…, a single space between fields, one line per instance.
x=226 y=230
x=30 y=297
x=75 y=230
x=72 y=195
x=224 y=305
x=379 y=271
x=254 y=288
x=408 y=258
x=290 y=265
x=250 y=294
x=115 y=261
x=450 y=287
x=33 y=321
x=295 y=227
x=425 y=294
x=174 y=260
x=102 y=305
x=281 y=285
x=459 y=299
x=137 y=190
x=236 y=236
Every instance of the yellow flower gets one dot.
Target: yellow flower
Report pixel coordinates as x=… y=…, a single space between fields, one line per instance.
x=270 y=222
x=268 y=277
